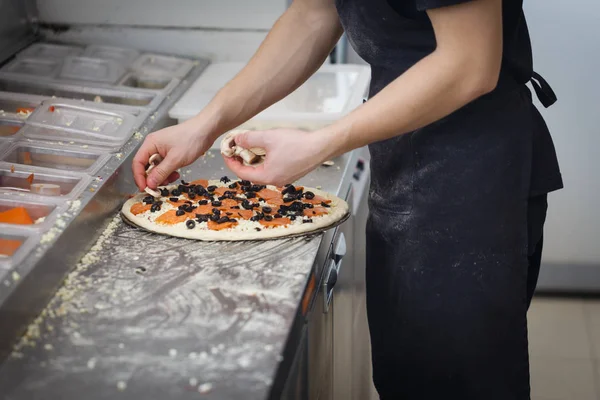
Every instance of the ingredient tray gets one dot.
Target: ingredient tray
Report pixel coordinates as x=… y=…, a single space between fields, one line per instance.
x=14 y=177
x=130 y=97
x=62 y=158
x=103 y=125
x=26 y=213
x=32 y=68
x=15 y=244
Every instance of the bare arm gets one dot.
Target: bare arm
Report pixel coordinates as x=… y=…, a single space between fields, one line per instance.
x=464 y=66
x=294 y=49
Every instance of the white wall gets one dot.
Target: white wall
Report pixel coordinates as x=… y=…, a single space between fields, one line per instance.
x=567 y=54
x=219 y=14
x=220 y=30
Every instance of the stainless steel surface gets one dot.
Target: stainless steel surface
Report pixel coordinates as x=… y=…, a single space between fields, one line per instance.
x=234 y=303
x=16 y=30
x=362 y=382
x=59 y=250
x=145 y=316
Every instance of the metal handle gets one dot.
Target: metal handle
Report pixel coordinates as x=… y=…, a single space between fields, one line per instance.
x=334 y=266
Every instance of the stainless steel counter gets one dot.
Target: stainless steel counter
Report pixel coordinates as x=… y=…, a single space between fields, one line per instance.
x=147 y=316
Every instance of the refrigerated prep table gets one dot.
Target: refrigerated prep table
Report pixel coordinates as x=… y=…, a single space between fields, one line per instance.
x=92 y=307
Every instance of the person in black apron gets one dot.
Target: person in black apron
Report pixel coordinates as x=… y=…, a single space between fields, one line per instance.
x=454 y=240
x=457 y=208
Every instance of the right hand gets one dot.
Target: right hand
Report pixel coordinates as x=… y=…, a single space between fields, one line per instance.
x=179 y=146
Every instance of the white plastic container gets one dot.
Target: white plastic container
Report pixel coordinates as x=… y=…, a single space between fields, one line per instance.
x=331 y=93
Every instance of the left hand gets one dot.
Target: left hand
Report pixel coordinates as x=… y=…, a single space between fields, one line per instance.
x=290 y=154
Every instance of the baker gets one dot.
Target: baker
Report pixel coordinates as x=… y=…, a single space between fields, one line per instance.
x=461 y=165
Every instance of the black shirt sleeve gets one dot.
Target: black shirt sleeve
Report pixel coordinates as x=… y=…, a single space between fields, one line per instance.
x=424 y=5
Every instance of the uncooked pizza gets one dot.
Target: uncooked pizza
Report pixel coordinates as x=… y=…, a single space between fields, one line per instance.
x=234 y=210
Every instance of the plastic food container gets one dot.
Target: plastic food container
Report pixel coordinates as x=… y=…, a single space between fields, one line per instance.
x=18 y=209
x=50 y=50
x=33 y=67
x=156 y=65
x=14 y=177
x=118 y=54
x=92 y=70
x=9 y=128
x=331 y=93
x=70 y=121
x=157 y=82
x=15 y=244
x=56 y=157
x=16 y=105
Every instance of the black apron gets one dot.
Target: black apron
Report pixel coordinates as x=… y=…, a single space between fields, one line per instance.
x=454 y=234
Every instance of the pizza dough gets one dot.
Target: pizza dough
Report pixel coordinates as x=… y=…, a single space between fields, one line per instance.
x=327 y=209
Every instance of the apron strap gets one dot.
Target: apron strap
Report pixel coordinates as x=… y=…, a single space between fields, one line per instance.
x=543 y=90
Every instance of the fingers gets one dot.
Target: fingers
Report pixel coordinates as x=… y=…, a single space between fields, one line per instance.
x=162 y=172
x=252 y=139
x=140 y=161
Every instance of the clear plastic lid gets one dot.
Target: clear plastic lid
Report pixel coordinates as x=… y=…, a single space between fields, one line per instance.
x=16 y=181
x=156 y=65
x=81 y=122
x=92 y=70
x=33 y=67
x=118 y=54
x=332 y=92
x=50 y=50
x=56 y=157
x=17 y=105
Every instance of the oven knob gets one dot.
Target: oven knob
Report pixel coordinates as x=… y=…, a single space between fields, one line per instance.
x=360 y=165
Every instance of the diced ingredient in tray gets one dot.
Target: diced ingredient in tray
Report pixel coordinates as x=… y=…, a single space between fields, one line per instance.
x=17 y=215
x=8 y=247
x=9 y=130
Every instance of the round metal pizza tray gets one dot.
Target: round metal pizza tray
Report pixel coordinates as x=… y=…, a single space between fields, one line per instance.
x=310 y=233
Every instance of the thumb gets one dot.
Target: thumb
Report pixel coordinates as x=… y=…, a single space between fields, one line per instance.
x=161 y=172
x=250 y=139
